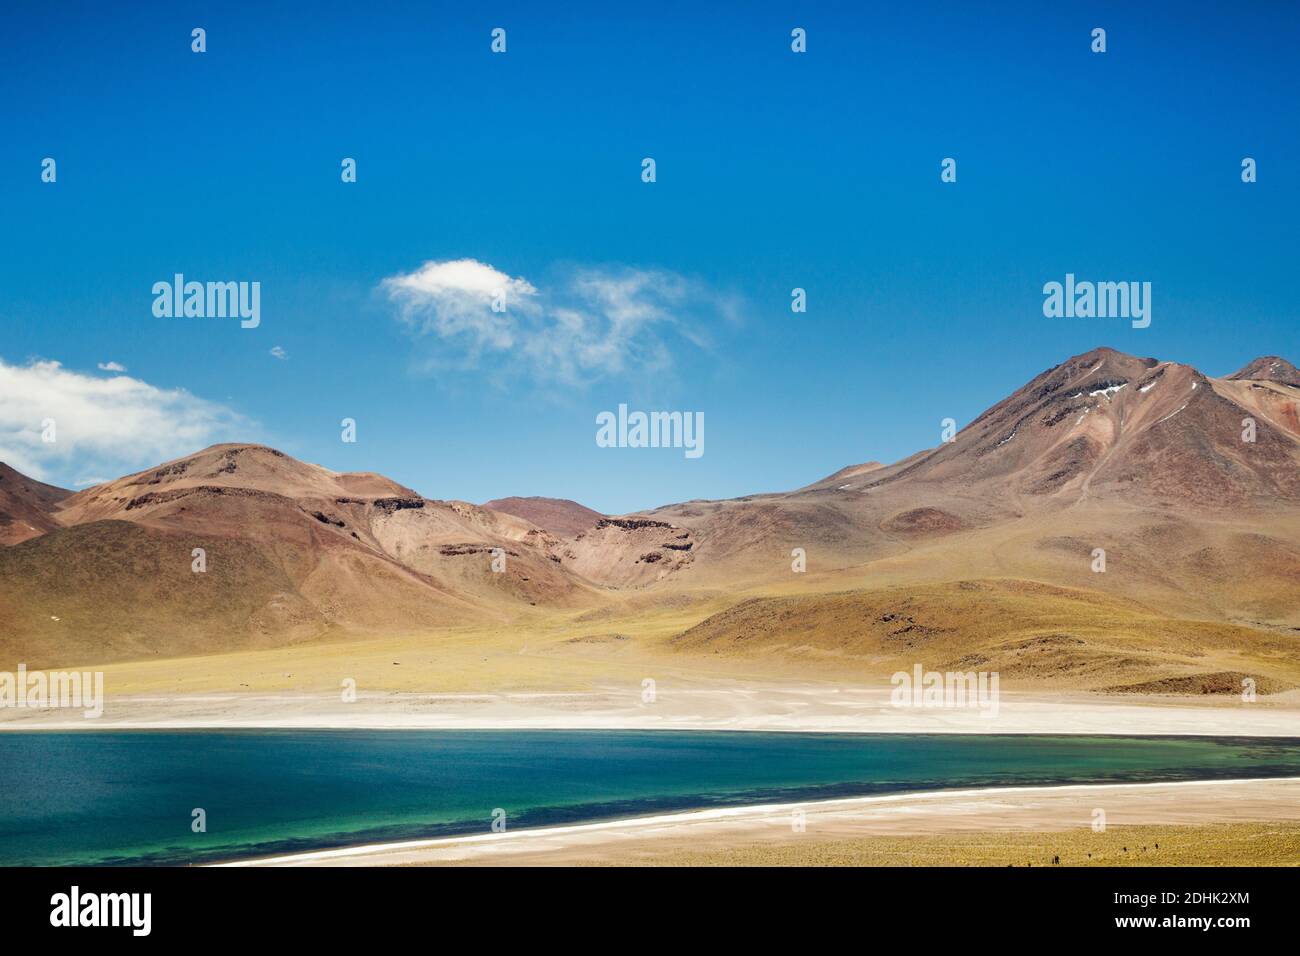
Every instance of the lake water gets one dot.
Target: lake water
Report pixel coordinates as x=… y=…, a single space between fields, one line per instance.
x=104 y=797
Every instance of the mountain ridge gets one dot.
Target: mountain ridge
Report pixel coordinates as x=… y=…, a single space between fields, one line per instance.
x=1146 y=459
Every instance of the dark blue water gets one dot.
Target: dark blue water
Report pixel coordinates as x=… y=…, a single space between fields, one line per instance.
x=113 y=797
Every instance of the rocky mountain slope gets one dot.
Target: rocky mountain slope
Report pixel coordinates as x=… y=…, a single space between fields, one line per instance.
x=1190 y=485
x=25 y=506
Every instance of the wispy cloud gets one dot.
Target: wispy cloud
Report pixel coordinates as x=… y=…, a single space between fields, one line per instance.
x=111 y=367
x=592 y=324
x=100 y=425
x=279 y=352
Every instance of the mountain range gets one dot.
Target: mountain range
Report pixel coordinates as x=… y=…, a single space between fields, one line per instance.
x=981 y=549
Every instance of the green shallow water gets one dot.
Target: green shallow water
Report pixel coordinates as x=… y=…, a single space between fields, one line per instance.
x=126 y=797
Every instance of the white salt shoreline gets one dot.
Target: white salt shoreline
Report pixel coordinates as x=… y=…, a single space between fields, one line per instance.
x=800 y=708
x=938 y=811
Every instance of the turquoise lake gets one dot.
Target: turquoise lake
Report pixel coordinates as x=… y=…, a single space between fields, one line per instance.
x=106 y=797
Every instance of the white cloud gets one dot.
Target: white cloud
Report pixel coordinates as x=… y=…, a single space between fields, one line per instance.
x=453 y=300
x=101 y=425
x=111 y=367
x=593 y=324
x=279 y=352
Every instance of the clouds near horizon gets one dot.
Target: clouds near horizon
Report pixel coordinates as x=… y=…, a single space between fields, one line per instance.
x=101 y=424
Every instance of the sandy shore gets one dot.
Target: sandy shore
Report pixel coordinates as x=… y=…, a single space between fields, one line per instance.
x=721 y=705
x=768 y=831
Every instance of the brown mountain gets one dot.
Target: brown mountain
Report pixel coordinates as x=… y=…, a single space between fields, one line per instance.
x=1269 y=368
x=25 y=506
x=1143 y=458
x=556 y=515
x=1105 y=424
x=293 y=552
x=1150 y=461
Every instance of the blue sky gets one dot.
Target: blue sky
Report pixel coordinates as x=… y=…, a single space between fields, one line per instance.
x=775 y=170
